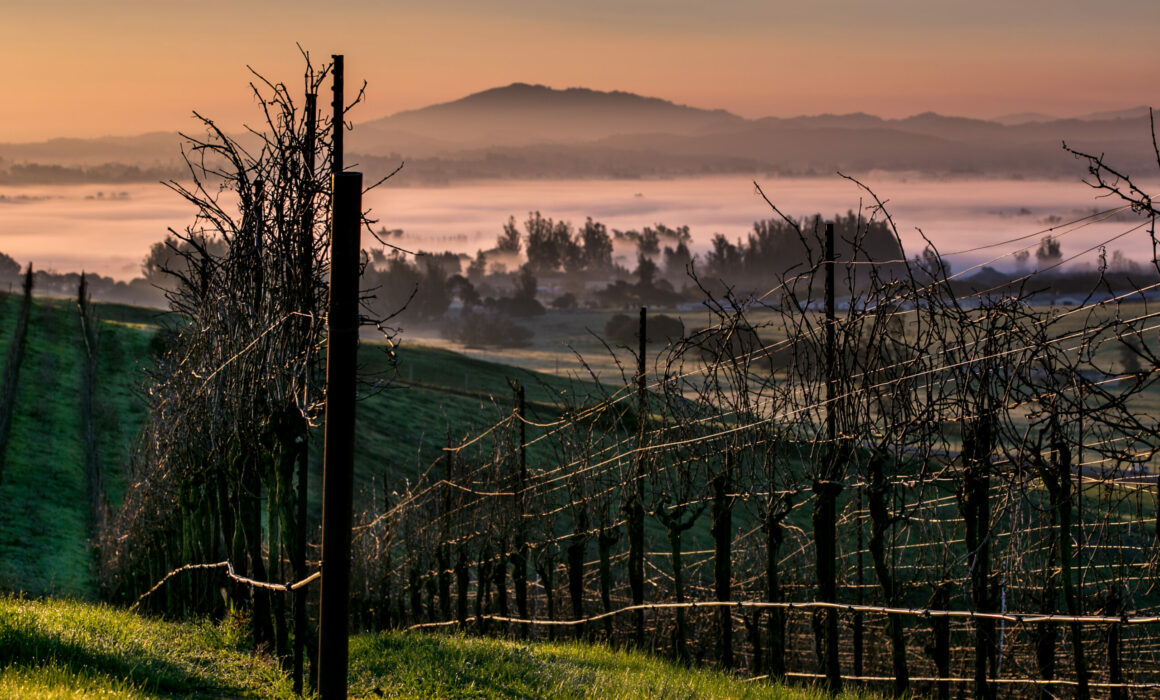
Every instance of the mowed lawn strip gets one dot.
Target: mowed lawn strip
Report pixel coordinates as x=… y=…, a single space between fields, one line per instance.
x=44 y=530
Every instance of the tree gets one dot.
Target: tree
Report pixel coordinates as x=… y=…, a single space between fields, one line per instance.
x=677 y=260
x=550 y=245
x=509 y=240
x=1048 y=253
x=646 y=272
x=1021 y=259
x=9 y=268
x=597 y=245
x=724 y=259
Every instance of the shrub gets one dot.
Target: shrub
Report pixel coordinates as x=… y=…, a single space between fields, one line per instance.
x=622 y=329
x=481 y=328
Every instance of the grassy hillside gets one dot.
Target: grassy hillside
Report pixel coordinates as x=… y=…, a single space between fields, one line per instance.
x=44 y=529
x=63 y=649
x=43 y=526
x=44 y=507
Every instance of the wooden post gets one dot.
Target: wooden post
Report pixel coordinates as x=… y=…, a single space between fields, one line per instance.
x=634 y=508
x=941 y=628
x=519 y=556
x=722 y=532
x=12 y=368
x=858 y=595
x=443 y=550
x=1115 y=606
x=338 y=439
x=831 y=337
x=827 y=488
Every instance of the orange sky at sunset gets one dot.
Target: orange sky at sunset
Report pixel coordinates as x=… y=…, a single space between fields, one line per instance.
x=79 y=68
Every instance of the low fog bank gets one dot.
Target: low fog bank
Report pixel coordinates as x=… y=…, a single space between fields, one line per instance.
x=977 y=226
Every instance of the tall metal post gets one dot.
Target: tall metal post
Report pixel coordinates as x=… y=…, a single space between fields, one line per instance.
x=306 y=270
x=338 y=440
x=337 y=125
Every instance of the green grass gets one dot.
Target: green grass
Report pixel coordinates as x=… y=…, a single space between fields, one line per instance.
x=69 y=649
x=44 y=507
x=123 y=351
x=409 y=665
x=44 y=535
x=9 y=311
x=403 y=426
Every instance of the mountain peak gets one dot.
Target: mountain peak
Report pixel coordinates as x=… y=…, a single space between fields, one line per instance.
x=524 y=113
x=523 y=96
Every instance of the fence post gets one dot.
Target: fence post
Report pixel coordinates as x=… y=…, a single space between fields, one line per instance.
x=443 y=551
x=941 y=629
x=722 y=532
x=306 y=263
x=827 y=488
x=338 y=440
x=1115 y=607
x=12 y=368
x=858 y=594
x=519 y=556
x=634 y=508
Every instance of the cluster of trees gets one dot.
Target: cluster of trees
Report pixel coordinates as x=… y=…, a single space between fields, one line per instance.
x=567 y=266
x=55 y=174
x=777 y=247
x=139 y=291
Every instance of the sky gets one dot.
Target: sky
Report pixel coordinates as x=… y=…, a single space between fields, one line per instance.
x=79 y=68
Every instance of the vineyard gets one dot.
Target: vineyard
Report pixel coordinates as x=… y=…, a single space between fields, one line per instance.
x=963 y=497
x=925 y=493
x=870 y=472
x=922 y=492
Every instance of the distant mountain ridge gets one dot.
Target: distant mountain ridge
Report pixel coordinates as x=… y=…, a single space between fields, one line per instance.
x=534 y=131
x=519 y=114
